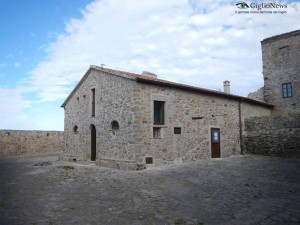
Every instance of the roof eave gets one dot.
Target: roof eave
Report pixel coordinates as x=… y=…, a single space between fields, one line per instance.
x=204 y=91
x=130 y=76
x=281 y=36
x=76 y=87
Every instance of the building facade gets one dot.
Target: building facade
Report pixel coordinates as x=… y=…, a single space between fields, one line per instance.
x=124 y=120
x=281 y=70
x=278 y=134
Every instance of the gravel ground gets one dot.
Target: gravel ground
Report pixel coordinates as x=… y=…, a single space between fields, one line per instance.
x=238 y=190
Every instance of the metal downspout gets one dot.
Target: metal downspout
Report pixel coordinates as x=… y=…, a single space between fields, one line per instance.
x=240 y=126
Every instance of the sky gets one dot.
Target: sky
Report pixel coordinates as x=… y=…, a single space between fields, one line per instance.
x=47 y=46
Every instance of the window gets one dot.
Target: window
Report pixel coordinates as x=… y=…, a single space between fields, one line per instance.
x=156 y=132
x=114 y=125
x=93 y=102
x=177 y=130
x=283 y=47
x=149 y=160
x=75 y=129
x=215 y=136
x=159 y=112
x=287 y=90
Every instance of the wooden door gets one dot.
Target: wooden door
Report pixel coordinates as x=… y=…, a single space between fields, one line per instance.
x=215 y=143
x=93 y=142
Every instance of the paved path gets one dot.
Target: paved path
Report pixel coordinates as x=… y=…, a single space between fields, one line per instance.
x=234 y=191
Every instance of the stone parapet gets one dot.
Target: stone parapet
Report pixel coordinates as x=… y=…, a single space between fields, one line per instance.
x=273 y=135
x=25 y=142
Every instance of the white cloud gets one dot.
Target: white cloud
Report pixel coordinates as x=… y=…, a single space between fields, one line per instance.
x=16 y=64
x=188 y=41
x=196 y=42
x=12 y=106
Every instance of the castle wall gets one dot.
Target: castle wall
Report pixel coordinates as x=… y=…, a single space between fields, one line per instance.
x=23 y=142
x=273 y=135
x=281 y=60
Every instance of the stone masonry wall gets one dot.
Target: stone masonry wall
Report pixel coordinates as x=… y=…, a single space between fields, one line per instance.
x=114 y=101
x=22 y=142
x=131 y=105
x=281 y=60
x=180 y=108
x=257 y=95
x=273 y=135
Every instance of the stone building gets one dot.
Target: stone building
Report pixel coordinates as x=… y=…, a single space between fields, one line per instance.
x=125 y=120
x=278 y=134
x=122 y=120
x=281 y=70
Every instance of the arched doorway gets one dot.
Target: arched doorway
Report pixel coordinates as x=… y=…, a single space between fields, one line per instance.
x=93 y=142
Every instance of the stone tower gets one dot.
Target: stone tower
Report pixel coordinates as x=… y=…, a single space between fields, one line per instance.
x=281 y=71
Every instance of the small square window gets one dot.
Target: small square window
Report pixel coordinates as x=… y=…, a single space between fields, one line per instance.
x=156 y=132
x=149 y=160
x=177 y=130
x=287 y=90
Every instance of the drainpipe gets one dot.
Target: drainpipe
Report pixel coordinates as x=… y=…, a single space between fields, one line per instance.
x=240 y=126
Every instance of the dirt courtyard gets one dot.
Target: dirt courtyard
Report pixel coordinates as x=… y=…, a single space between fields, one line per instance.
x=238 y=190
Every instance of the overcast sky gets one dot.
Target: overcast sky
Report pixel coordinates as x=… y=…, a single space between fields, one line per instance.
x=46 y=47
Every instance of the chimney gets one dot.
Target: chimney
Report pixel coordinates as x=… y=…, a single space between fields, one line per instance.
x=226 y=85
x=149 y=75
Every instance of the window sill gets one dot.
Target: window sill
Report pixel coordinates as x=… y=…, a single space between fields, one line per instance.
x=160 y=126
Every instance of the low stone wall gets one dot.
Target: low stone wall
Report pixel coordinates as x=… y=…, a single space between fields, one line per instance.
x=273 y=135
x=23 y=142
x=117 y=164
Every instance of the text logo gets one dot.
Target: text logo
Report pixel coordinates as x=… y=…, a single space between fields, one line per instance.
x=242 y=5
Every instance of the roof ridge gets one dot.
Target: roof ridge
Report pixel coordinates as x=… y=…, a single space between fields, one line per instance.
x=145 y=79
x=116 y=72
x=141 y=78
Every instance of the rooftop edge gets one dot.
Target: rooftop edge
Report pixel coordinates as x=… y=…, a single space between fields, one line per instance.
x=281 y=36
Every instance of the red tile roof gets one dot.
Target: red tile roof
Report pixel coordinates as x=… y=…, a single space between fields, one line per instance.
x=154 y=81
